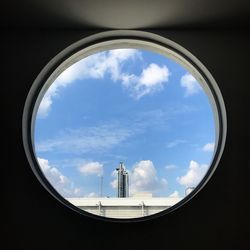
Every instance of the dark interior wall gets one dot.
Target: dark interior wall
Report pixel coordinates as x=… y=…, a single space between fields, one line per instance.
x=217 y=218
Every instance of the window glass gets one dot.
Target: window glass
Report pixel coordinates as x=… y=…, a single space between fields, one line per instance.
x=125 y=133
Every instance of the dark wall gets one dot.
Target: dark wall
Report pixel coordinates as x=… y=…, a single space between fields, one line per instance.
x=217 y=218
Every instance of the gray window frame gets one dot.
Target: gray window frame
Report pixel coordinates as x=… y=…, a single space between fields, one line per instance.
x=112 y=40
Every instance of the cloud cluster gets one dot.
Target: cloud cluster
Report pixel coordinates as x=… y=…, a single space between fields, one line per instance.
x=114 y=183
x=60 y=182
x=209 y=147
x=144 y=178
x=91 y=168
x=175 y=194
x=87 y=139
x=190 y=84
x=91 y=195
x=108 y=62
x=175 y=143
x=150 y=80
x=102 y=137
x=94 y=66
x=194 y=174
x=171 y=167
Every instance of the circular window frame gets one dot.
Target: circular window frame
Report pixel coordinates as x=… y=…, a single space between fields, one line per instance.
x=114 y=40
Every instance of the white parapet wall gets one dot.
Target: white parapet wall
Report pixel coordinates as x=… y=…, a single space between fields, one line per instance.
x=132 y=207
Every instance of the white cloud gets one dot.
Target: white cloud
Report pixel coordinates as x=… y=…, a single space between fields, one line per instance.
x=91 y=195
x=194 y=174
x=123 y=54
x=114 y=174
x=92 y=168
x=94 y=66
x=143 y=178
x=45 y=105
x=110 y=62
x=175 y=194
x=209 y=147
x=170 y=167
x=154 y=75
x=151 y=79
x=112 y=133
x=175 y=143
x=114 y=184
x=190 y=84
x=96 y=138
x=60 y=182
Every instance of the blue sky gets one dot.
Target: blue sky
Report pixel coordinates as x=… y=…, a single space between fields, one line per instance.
x=126 y=105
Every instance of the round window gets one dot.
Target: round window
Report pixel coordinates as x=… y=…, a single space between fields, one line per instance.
x=124 y=125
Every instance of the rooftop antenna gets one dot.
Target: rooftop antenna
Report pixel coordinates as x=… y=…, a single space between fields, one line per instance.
x=101 y=186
